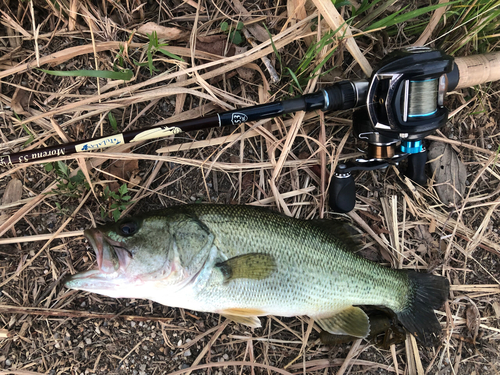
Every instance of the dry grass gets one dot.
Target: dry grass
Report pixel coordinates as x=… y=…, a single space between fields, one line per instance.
x=281 y=163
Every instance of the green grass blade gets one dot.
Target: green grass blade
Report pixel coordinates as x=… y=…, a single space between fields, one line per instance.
x=373 y=13
x=112 y=121
x=274 y=47
x=170 y=54
x=295 y=79
x=31 y=138
x=365 y=5
x=323 y=62
x=392 y=20
x=124 y=75
x=387 y=21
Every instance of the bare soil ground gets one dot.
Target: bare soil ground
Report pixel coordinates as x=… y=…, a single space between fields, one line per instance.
x=281 y=163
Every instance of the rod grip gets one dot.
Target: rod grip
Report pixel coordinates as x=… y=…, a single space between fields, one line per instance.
x=342 y=193
x=477 y=69
x=416 y=168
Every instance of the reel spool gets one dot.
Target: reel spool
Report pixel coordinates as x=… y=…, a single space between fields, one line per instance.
x=421 y=97
x=380 y=152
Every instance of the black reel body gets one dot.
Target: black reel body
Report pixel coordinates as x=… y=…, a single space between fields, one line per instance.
x=404 y=104
x=406 y=95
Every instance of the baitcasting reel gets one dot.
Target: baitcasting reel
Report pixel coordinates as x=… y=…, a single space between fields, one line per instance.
x=404 y=104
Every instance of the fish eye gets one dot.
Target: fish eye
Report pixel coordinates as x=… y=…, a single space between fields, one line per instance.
x=128 y=228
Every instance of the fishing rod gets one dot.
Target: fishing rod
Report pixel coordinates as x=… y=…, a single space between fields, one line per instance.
x=396 y=109
x=343 y=95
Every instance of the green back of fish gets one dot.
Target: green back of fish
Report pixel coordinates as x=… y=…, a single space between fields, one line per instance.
x=314 y=267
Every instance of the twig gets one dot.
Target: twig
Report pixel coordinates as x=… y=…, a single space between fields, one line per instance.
x=7 y=309
x=39 y=237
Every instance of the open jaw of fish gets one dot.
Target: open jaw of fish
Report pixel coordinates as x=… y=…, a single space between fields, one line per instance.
x=244 y=262
x=119 y=275
x=112 y=260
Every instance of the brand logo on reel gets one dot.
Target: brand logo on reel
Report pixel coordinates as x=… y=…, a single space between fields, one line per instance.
x=238 y=118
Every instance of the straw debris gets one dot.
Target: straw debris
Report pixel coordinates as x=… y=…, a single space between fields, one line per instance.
x=283 y=163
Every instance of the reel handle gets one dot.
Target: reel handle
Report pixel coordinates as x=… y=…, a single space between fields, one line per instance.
x=416 y=167
x=342 y=191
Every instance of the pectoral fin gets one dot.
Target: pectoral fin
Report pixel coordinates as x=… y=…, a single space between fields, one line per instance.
x=351 y=321
x=255 y=266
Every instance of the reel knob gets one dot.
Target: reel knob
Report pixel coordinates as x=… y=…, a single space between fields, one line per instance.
x=416 y=167
x=342 y=191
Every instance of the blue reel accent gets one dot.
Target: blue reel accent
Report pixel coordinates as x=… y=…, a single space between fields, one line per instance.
x=412 y=147
x=426 y=114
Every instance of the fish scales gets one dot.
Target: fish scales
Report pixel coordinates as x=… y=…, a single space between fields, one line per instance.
x=244 y=262
x=315 y=271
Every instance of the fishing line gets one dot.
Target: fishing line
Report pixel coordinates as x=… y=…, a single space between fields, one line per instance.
x=422 y=97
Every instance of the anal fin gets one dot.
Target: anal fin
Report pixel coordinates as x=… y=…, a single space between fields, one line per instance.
x=250 y=321
x=246 y=316
x=351 y=321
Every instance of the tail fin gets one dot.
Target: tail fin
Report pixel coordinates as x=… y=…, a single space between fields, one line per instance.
x=428 y=292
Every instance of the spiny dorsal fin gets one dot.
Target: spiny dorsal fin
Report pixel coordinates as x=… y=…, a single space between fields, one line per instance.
x=255 y=266
x=340 y=230
x=351 y=321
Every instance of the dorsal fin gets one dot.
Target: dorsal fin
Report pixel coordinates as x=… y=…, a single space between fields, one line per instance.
x=340 y=230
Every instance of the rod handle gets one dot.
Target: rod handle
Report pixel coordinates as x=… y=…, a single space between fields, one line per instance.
x=475 y=70
x=342 y=193
x=416 y=168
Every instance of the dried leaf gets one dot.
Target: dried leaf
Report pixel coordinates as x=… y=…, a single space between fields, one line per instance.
x=258 y=31
x=432 y=226
x=13 y=192
x=421 y=249
x=448 y=171
x=246 y=74
x=496 y=308
x=167 y=33
x=124 y=170
x=472 y=315
x=423 y=233
x=490 y=123
x=428 y=244
x=135 y=179
x=216 y=44
x=20 y=101
x=247 y=180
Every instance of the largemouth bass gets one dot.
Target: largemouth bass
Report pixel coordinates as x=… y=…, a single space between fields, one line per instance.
x=243 y=262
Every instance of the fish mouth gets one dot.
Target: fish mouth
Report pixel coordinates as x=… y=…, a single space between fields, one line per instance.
x=112 y=261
